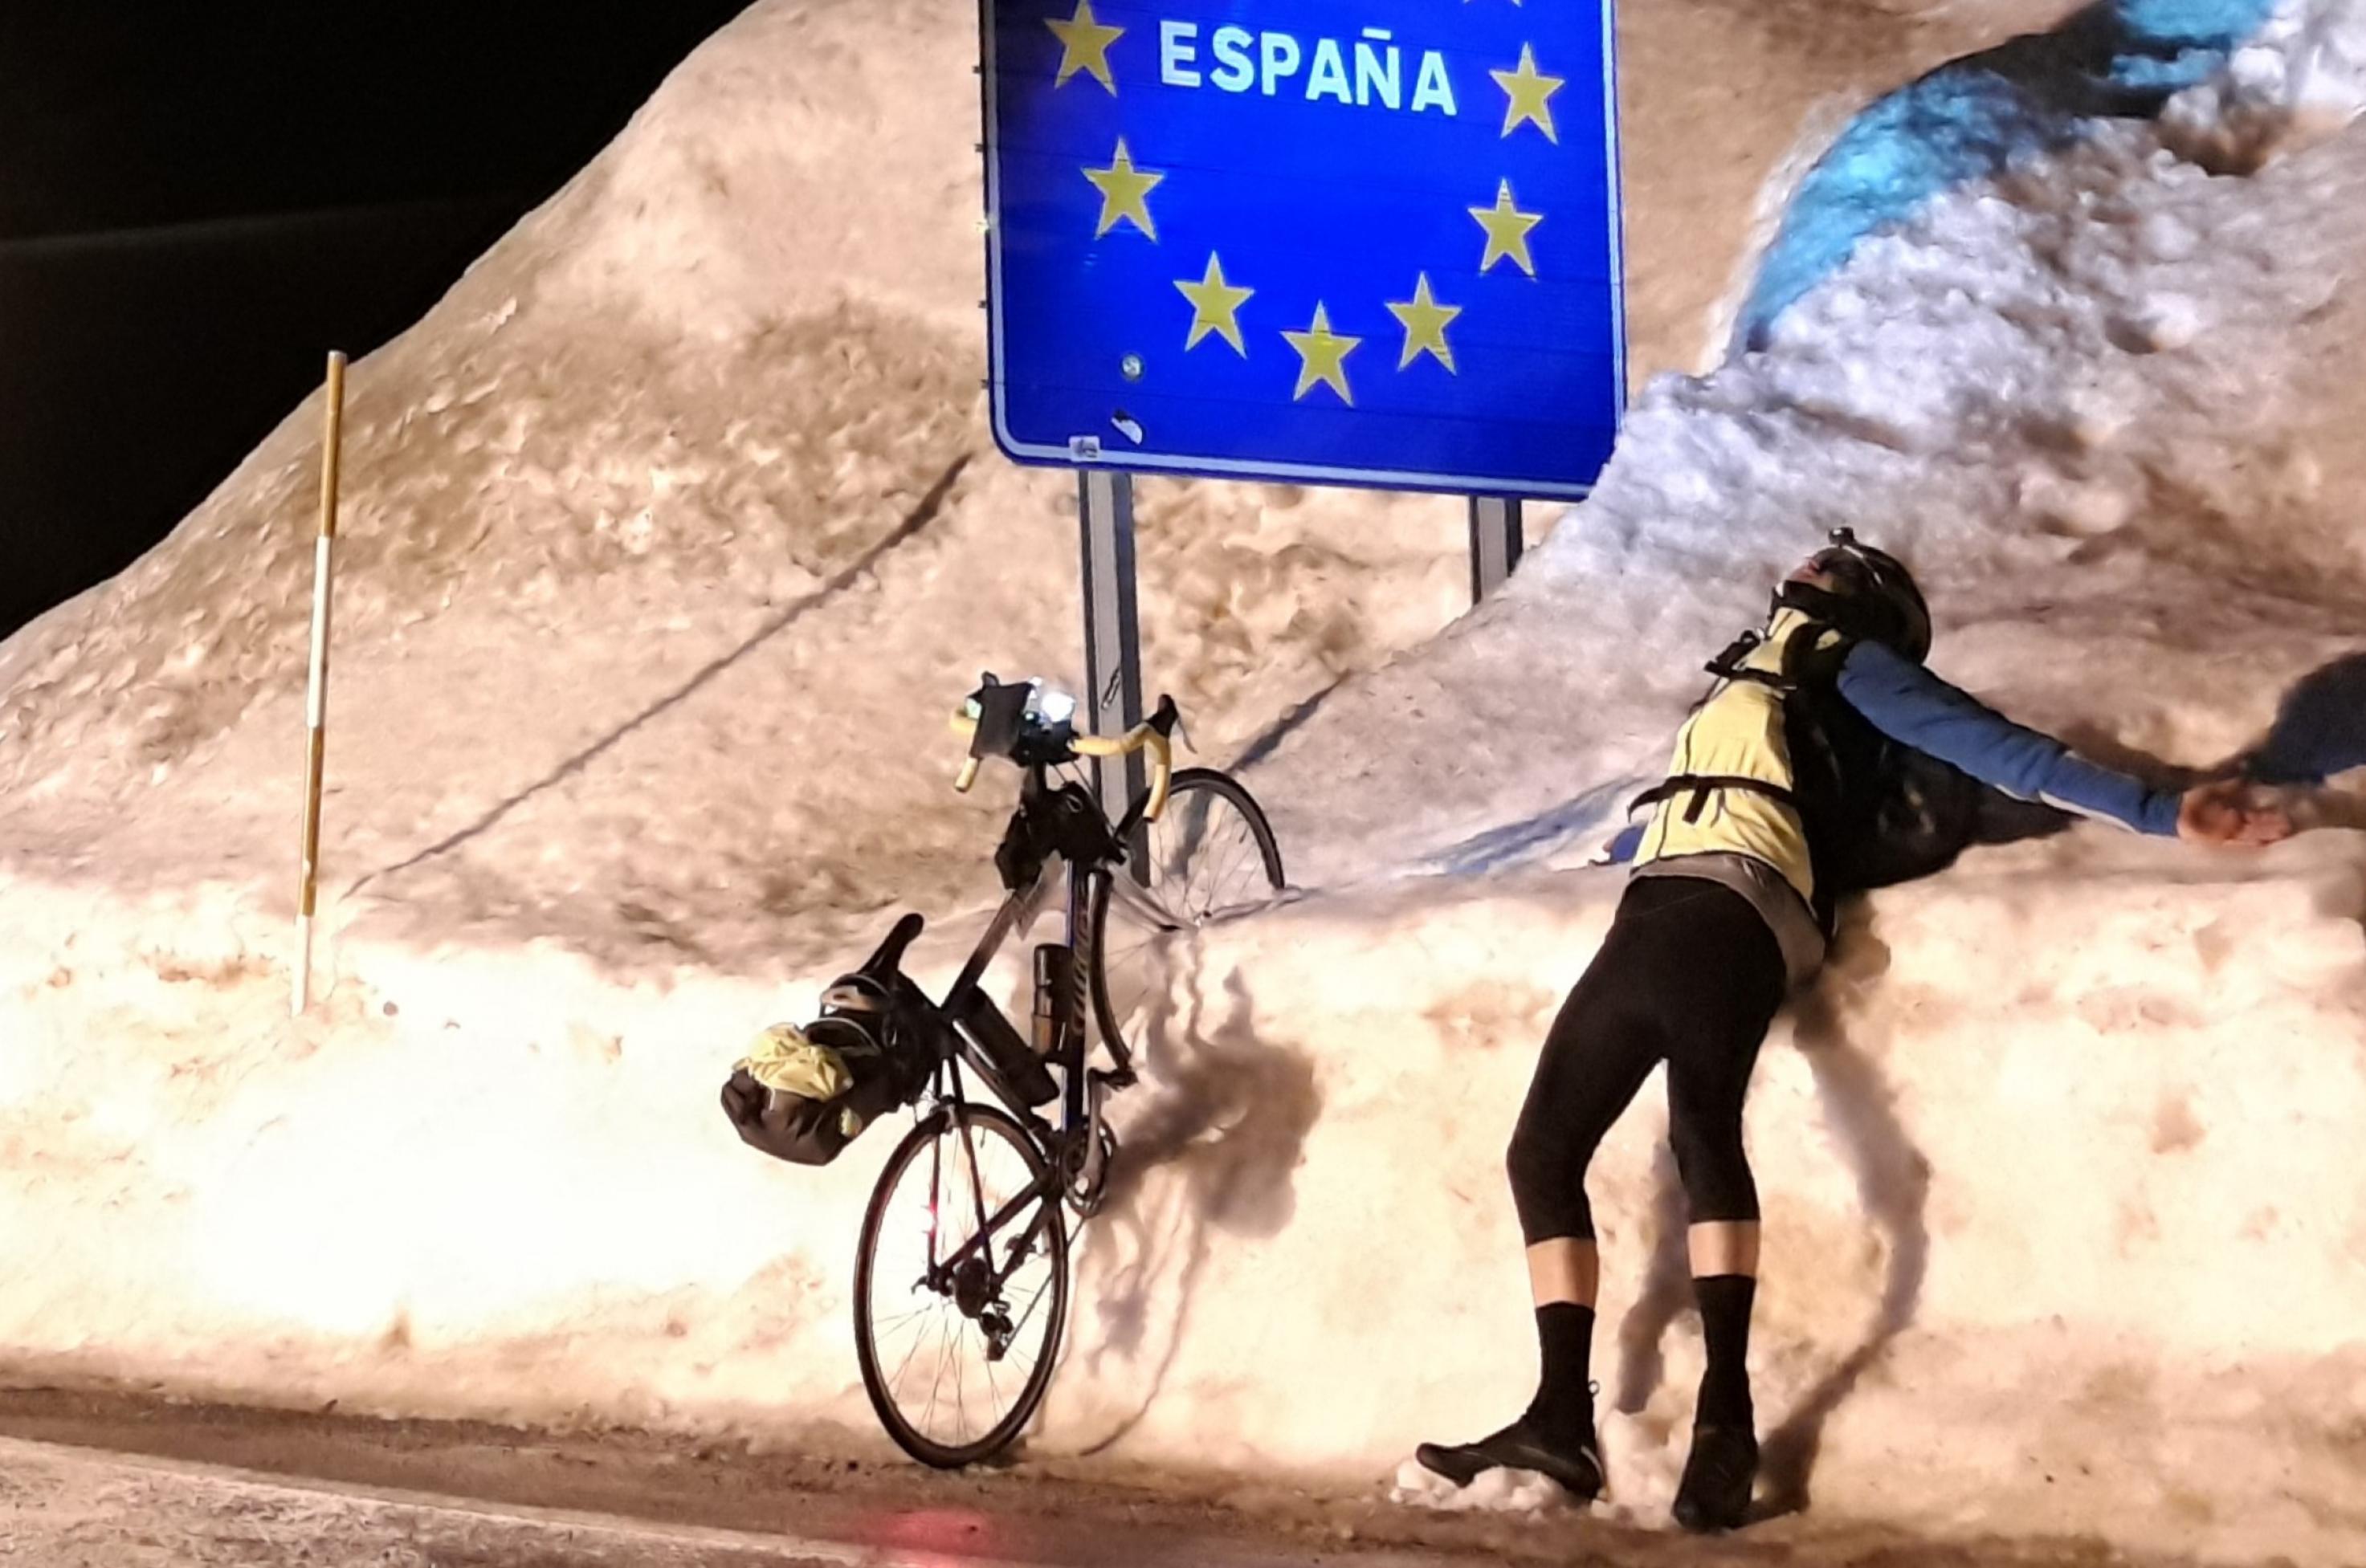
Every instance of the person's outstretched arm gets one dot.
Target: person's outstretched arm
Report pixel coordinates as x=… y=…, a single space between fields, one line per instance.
x=1909 y=704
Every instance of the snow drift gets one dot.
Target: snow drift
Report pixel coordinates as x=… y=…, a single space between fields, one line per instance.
x=670 y=547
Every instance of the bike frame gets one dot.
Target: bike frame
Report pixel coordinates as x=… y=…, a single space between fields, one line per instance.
x=1080 y=1100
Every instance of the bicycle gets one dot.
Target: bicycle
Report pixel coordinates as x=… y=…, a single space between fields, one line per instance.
x=1193 y=847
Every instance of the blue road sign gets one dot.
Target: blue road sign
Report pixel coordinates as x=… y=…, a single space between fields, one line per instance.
x=1345 y=241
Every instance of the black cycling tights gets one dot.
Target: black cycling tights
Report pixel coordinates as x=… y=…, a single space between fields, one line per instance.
x=1689 y=974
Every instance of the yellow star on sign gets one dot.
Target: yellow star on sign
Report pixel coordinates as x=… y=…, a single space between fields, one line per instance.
x=1320 y=355
x=1084 y=46
x=1215 y=306
x=1528 y=89
x=1507 y=231
x=1424 y=323
x=1125 y=193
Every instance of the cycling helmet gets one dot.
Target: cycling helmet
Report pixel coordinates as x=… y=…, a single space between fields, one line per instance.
x=1874 y=595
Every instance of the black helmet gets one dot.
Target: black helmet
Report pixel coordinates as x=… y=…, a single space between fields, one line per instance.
x=1875 y=596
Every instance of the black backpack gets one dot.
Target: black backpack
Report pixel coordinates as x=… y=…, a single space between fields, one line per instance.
x=1877 y=810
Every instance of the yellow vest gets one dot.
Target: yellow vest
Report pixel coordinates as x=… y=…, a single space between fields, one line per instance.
x=1737 y=732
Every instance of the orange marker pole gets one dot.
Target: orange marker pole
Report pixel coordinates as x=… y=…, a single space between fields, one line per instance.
x=316 y=702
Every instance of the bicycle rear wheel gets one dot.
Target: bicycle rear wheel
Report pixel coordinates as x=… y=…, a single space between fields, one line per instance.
x=961 y=1287
x=1212 y=856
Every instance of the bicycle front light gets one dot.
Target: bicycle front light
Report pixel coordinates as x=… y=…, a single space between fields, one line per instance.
x=1052 y=706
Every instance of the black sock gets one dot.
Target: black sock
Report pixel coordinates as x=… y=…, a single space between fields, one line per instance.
x=1562 y=1411
x=1725 y=1301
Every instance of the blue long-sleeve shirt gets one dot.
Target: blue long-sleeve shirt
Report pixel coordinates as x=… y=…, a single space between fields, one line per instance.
x=1909 y=704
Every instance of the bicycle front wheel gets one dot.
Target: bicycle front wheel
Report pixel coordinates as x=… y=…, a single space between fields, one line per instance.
x=961 y=1287
x=1212 y=856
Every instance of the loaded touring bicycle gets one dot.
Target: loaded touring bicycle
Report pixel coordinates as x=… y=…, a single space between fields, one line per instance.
x=961 y=1276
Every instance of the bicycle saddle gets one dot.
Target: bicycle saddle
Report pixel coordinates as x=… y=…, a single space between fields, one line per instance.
x=889 y=958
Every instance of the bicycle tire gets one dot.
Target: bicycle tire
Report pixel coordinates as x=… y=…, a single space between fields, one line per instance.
x=930 y=1450
x=1192 y=791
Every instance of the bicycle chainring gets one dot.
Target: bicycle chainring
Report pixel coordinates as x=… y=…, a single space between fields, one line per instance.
x=1085 y=1173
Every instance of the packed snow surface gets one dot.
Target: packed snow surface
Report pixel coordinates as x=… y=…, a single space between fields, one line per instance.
x=670 y=541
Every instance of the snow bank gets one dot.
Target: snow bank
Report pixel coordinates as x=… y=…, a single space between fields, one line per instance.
x=2069 y=1152
x=672 y=538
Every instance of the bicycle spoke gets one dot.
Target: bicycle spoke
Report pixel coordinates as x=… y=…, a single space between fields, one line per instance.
x=1243 y=856
x=1190 y=866
x=888 y=1326
x=918 y=1340
x=1214 y=866
x=961 y=1391
x=1033 y=1303
x=1144 y=907
x=944 y=1337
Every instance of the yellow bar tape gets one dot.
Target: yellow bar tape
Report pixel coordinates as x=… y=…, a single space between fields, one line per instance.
x=1142 y=737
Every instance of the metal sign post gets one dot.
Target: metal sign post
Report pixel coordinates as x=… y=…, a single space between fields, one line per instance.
x=1496 y=543
x=1112 y=634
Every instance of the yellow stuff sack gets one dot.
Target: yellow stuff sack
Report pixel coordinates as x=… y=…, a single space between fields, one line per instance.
x=783 y=1057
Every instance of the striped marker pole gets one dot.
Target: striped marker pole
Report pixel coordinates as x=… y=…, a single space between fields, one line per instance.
x=316 y=702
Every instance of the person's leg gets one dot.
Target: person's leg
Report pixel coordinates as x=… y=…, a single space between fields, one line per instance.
x=1595 y=1060
x=1709 y=1077
x=1725 y=1283
x=1723 y=1246
x=1563 y=1275
x=1595 y=1057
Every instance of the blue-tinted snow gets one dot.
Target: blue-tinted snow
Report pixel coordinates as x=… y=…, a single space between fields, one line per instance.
x=1972 y=117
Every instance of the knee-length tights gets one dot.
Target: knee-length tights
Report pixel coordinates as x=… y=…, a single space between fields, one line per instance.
x=1690 y=975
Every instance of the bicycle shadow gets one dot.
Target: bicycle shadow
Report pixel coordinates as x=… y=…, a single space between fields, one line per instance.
x=1210 y=1154
x=1894 y=1182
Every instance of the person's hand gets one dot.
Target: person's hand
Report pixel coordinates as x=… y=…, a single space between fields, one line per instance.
x=2229 y=813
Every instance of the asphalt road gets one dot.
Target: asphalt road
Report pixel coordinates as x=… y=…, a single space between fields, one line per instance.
x=114 y=1480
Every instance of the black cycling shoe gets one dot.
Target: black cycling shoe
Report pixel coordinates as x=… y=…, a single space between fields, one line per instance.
x=1578 y=1467
x=1714 y=1492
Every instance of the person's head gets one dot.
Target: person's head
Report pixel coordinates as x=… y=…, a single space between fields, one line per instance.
x=1864 y=591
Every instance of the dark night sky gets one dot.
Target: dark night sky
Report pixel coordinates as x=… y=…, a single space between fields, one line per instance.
x=196 y=202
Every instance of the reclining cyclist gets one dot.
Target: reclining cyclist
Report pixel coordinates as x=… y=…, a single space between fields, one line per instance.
x=1781 y=795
